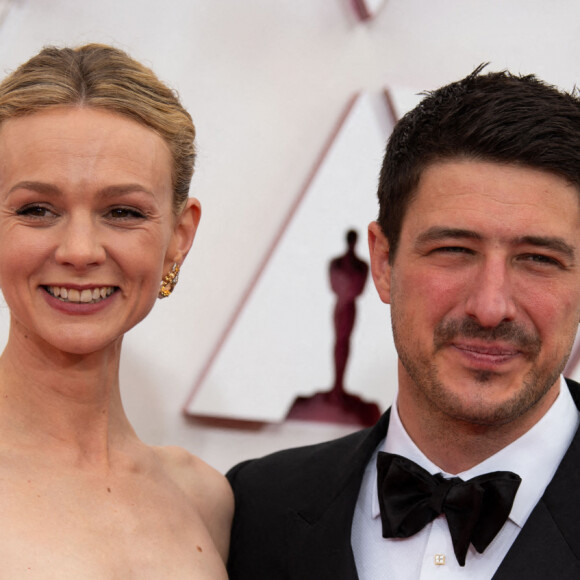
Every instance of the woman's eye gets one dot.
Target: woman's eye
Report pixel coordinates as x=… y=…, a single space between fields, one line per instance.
x=125 y=213
x=35 y=211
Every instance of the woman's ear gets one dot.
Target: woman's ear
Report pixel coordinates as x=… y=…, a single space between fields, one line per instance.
x=380 y=265
x=184 y=231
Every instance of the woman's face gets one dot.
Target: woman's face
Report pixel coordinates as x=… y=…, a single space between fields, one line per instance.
x=87 y=229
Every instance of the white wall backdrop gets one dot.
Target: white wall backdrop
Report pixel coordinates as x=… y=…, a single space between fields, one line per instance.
x=265 y=81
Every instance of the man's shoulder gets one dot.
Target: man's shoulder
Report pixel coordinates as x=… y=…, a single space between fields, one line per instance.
x=291 y=469
x=308 y=455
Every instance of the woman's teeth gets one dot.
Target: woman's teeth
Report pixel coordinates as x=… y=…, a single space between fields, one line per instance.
x=85 y=296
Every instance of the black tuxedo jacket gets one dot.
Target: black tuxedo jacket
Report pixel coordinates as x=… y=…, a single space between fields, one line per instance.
x=294 y=512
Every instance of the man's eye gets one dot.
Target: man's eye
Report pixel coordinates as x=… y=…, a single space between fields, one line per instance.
x=453 y=250
x=541 y=259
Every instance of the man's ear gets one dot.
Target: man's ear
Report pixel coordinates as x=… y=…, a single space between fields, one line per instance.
x=184 y=232
x=380 y=266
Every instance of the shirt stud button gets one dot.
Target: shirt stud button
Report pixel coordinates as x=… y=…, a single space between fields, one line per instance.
x=439 y=559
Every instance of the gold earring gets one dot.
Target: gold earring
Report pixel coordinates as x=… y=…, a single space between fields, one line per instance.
x=169 y=282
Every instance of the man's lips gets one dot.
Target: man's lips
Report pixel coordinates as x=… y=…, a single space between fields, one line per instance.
x=508 y=340
x=490 y=353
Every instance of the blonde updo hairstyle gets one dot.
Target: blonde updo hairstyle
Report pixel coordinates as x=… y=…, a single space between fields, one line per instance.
x=103 y=77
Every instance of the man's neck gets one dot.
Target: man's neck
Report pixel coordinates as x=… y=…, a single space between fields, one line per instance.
x=456 y=445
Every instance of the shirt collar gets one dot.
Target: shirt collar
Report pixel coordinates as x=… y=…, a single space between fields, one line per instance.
x=534 y=456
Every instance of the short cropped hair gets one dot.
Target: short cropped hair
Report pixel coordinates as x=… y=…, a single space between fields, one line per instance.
x=498 y=117
x=104 y=77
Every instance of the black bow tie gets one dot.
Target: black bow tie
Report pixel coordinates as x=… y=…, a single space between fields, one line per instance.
x=411 y=497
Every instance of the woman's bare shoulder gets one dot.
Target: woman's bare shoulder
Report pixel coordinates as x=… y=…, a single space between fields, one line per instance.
x=207 y=488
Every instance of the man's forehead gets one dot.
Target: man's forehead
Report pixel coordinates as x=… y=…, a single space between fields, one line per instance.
x=480 y=197
x=451 y=180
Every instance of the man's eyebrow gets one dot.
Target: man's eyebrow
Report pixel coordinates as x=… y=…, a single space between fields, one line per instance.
x=437 y=233
x=550 y=243
x=555 y=243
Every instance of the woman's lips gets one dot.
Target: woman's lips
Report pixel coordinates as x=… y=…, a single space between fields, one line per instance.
x=80 y=296
x=79 y=300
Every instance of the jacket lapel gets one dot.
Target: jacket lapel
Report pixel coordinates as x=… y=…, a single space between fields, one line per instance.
x=540 y=551
x=318 y=533
x=548 y=545
x=321 y=550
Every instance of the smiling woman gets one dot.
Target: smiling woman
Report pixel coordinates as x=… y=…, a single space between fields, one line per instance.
x=96 y=156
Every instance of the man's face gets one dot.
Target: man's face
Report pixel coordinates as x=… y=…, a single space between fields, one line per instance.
x=484 y=291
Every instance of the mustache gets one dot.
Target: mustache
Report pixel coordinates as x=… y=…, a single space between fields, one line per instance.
x=511 y=332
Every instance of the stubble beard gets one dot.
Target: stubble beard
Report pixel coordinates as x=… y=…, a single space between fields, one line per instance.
x=476 y=407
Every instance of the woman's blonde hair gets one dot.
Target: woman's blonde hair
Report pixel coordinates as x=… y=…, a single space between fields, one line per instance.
x=103 y=77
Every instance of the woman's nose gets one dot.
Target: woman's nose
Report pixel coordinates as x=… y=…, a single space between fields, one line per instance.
x=79 y=244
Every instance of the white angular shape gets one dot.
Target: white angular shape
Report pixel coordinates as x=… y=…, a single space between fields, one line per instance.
x=280 y=346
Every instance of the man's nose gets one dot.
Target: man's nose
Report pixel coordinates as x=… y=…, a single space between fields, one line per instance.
x=79 y=243
x=490 y=300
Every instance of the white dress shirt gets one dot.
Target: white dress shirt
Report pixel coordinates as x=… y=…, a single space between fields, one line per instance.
x=535 y=456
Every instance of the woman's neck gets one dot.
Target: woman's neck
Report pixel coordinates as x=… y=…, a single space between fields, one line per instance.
x=71 y=402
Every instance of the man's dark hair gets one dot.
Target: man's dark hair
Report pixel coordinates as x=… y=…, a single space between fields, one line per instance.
x=497 y=117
